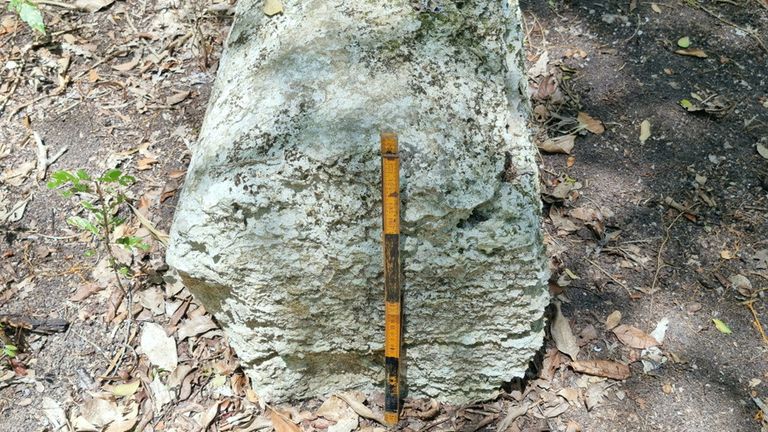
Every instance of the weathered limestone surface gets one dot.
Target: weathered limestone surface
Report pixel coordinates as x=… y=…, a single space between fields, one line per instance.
x=278 y=227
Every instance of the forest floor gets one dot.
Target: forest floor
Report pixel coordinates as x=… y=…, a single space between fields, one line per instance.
x=656 y=220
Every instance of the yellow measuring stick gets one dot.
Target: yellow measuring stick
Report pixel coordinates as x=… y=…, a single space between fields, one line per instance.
x=390 y=193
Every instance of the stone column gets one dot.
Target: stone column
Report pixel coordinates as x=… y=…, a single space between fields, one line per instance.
x=278 y=228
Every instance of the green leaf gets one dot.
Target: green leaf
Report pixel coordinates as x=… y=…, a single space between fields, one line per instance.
x=10 y=350
x=685 y=103
x=63 y=176
x=81 y=187
x=684 y=42
x=83 y=224
x=29 y=13
x=83 y=175
x=89 y=253
x=721 y=326
x=127 y=180
x=129 y=242
x=111 y=176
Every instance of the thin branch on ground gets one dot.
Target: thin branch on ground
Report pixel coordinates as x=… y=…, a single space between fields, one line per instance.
x=756 y=320
x=752 y=33
x=659 y=265
x=616 y=281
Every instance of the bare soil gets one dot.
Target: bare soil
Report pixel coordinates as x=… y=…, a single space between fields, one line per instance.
x=668 y=227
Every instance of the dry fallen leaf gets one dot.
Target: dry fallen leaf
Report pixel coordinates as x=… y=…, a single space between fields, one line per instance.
x=726 y=254
x=92 y=5
x=591 y=124
x=54 y=413
x=93 y=76
x=145 y=163
x=85 y=290
x=177 y=98
x=281 y=423
x=595 y=393
x=634 y=337
x=692 y=52
x=273 y=7
x=613 y=320
x=645 y=131
x=159 y=348
x=130 y=64
x=602 y=368
x=561 y=222
x=563 y=335
x=561 y=144
x=655 y=8
x=512 y=414
x=125 y=389
x=661 y=330
x=195 y=326
x=359 y=408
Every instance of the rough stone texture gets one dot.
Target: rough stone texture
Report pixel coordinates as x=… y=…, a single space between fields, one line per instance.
x=278 y=227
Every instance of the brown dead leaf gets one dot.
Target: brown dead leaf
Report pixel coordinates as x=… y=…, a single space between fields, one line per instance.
x=586 y=214
x=177 y=98
x=561 y=144
x=595 y=394
x=85 y=290
x=550 y=364
x=570 y=161
x=92 y=5
x=573 y=427
x=692 y=52
x=561 y=222
x=633 y=337
x=93 y=76
x=281 y=423
x=563 y=335
x=195 y=327
x=547 y=88
x=365 y=412
x=613 y=320
x=177 y=173
x=145 y=163
x=130 y=64
x=590 y=123
x=602 y=368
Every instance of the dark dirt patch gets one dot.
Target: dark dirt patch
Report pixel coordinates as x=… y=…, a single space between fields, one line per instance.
x=631 y=74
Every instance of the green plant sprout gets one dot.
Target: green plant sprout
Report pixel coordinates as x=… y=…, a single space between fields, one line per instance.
x=29 y=12
x=103 y=198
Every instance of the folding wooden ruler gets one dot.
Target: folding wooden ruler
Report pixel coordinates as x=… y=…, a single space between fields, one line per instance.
x=390 y=192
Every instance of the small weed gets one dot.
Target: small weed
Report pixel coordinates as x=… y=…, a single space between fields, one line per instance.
x=29 y=12
x=102 y=198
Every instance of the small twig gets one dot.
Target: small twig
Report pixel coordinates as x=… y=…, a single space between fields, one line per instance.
x=434 y=423
x=750 y=32
x=756 y=321
x=661 y=251
x=57 y=4
x=616 y=281
x=637 y=28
